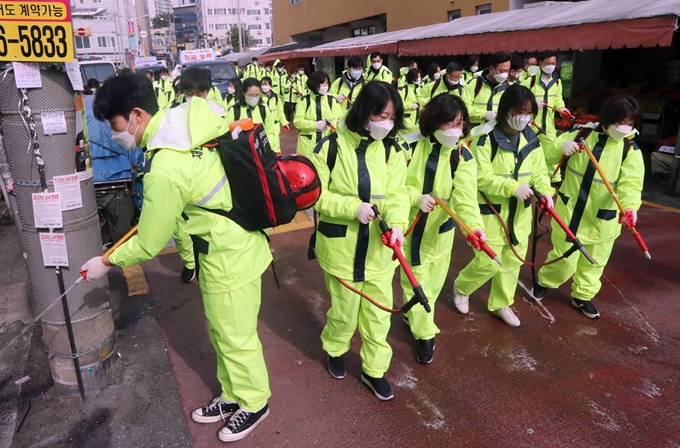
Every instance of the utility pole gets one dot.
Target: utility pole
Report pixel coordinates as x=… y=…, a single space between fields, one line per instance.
x=238 y=18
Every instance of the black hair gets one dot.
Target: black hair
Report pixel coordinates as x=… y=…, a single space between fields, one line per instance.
x=548 y=54
x=119 y=95
x=247 y=83
x=355 y=62
x=412 y=75
x=372 y=100
x=376 y=54
x=266 y=79
x=316 y=79
x=195 y=79
x=268 y=64
x=516 y=63
x=619 y=108
x=279 y=64
x=470 y=61
x=302 y=66
x=163 y=70
x=411 y=62
x=432 y=69
x=253 y=59
x=125 y=71
x=93 y=83
x=453 y=67
x=442 y=109
x=531 y=56
x=515 y=96
x=500 y=57
x=238 y=87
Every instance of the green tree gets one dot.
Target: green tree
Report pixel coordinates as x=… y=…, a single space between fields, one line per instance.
x=160 y=21
x=233 y=38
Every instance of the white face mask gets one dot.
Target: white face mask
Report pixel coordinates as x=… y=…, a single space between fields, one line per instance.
x=323 y=90
x=301 y=72
x=518 y=74
x=500 y=77
x=534 y=70
x=377 y=65
x=125 y=139
x=379 y=129
x=355 y=74
x=449 y=137
x=618 y=132
x=453 y=83
x=519 y=122
x=164 y=77
x=231 y=90
x=418 y=81
x=279 y=70
x=437 y=75
x=548 y=69
x=252 y=101
x=266 y=89
x=474 y=68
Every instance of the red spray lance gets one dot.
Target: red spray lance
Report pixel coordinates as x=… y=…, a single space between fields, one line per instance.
x=419 y=295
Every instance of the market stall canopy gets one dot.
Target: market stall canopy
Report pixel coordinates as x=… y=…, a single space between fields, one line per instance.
x=587 y=25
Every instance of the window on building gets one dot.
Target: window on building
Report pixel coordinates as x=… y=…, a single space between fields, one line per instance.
x=82 y=42
x=101 y=41
x=266 y=11
x=453 y=15
x=254 y=27
x=295 y=2
x=269 y=41
x=210 y=11
x=113 y=42
x=220 y=11
x=484 y=9
x=253 y=12
x=96 y=1
x=267 y=26
x=257 y=41
x=211 y=27
x=365 y=31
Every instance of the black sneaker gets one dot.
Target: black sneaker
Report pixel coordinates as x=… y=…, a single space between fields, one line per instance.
x=241 y=424
x=188 y=275
x=539 y=291
x=425 y=349
x=215 y=411
x=586 y=307
x=336 y=366
x=380 y=387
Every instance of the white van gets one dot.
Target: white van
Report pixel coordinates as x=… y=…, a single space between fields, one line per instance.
x=98 y=69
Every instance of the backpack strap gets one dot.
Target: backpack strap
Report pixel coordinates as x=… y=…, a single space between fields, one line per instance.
x=332 y=155
x=436 y=86
x=532 y=83
x=330 y=101
x=263 y=112
x=309 y=101
x=237 y=111
x=478 y=86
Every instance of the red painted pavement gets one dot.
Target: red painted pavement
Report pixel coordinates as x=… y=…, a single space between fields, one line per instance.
x=575 y=382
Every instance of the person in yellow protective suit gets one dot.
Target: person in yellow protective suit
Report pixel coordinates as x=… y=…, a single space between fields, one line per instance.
x=181 y=175
x=530 y=68
x=409 y=95
x=237 y=69
x=377 y=71
x=451 y=83
x=165 y=94
x=360 y=166
x=249 y=104
x=509 y=161
x=483 y=93
x=471 y=69
x=516 y=70
x=441 y=164
x=279 y=76
x=347 y=87
x=294 y=91
x=275 y=104
x=316 y=112
x=586 y=205
x=253 y=70
x=302 y=75
x=548 y=91
x=234 y=89
x=433 y=73
x=404 y=71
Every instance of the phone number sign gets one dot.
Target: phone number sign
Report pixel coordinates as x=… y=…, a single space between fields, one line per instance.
x=36 y=31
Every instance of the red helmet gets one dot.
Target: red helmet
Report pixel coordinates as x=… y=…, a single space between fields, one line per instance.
x=303 y=179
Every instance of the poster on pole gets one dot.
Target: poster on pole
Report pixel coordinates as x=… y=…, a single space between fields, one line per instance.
x=201 y=54
x=54 y=252
x=73 y=71
x=68 y=187
x=27 y=75
x=145 y=61
x=53 y=122
x=47 y=210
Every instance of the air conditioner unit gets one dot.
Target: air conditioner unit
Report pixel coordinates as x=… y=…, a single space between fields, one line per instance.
x=257 y=2
x=258 y=18
x=259 y=33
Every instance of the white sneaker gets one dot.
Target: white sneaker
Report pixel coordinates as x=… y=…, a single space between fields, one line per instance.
x=461 y=302
x=507 y=315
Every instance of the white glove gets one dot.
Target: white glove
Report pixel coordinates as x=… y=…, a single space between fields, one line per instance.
x=365 y=213
x=397 y=236
x=94 y=269
x=415 y=106
x=340 y=98
x=541 y=104
x=549 y=201
x=490 y=115
x=523 y=192
x=425 y=202
x=569 y=148
x=321 y=125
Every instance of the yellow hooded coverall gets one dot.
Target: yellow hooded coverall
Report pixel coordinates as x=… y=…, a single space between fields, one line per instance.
x=310 y=109
x=353 y=251
x=181 y=175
